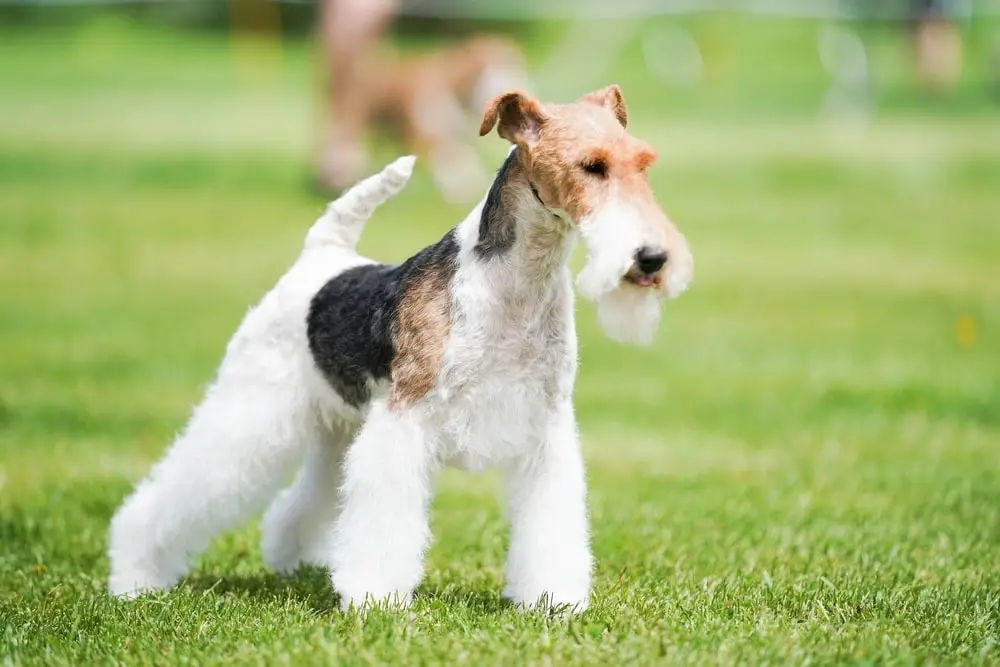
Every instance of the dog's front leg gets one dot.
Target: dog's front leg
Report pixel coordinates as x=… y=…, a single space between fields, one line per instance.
x=549 y=562
x=382 y=531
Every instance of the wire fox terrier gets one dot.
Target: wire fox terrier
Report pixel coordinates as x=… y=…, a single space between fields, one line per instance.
x=374 y=376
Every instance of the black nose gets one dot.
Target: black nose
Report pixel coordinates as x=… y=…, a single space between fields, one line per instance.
x=650 y=260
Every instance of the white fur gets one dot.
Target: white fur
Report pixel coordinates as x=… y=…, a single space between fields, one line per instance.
x=344 y=219
x=262 y=409
x=612 y=234
x=359 y=505
x=629 y=314
x=680 y=268
x=378 y=541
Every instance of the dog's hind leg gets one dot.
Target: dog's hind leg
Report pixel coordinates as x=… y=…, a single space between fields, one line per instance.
x=230 y=460
x=296 y=524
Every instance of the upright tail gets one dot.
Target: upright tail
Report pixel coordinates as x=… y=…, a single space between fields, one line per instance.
x=344 y=218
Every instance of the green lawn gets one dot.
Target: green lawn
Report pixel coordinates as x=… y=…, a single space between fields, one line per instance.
x=804 y=468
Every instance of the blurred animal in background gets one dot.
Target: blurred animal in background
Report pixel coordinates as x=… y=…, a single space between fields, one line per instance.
x=349 y=31
x=428 y=100
x=938 y=44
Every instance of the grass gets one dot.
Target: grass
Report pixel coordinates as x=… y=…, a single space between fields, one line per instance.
x=804 y=468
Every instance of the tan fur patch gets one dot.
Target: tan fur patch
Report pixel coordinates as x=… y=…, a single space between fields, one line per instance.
x=579 y=156
x=423 y=323
x=576 y=135
x=610 y=97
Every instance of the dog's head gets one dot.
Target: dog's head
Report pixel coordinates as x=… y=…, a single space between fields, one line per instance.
x=587 y=168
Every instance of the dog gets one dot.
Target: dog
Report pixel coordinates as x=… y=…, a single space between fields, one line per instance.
x=374 y=376
x=425 y=99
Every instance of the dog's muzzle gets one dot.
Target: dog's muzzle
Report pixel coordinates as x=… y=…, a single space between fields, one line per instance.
x=646 y=266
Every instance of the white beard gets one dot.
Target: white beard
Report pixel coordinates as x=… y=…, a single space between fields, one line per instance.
x=630 y=314
x=627 y=313
x=612 y=237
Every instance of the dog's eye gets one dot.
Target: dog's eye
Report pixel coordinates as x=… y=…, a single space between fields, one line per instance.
x=596 y=168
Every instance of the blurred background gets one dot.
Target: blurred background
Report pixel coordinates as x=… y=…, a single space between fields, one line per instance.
x=826 y=398
x=834 y=164
x=332 y=81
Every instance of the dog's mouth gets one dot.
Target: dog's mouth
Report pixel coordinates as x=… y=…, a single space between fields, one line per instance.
x=640 y=279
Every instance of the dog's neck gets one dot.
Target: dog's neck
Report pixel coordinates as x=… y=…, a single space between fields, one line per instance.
x=517 y=234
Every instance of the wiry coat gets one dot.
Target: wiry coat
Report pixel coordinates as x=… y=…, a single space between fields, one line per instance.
x=312 y=361
x=374 y=376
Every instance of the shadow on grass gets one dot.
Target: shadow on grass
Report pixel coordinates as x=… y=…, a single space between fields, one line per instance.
x=476 y=601
x=311 y=585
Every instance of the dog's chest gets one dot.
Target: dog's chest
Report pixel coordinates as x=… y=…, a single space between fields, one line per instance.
x=501 y=377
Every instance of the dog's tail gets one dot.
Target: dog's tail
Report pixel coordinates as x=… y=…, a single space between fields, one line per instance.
x=345 y=218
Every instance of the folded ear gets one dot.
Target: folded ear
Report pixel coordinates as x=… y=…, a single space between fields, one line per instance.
x=610 y=97
x=517 y=115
